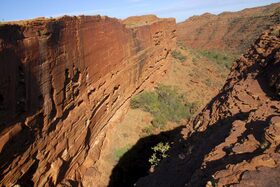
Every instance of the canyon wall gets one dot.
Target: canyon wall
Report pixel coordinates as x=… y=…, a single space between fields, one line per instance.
x=235 y=140
x=61 y=80
x=233 y=32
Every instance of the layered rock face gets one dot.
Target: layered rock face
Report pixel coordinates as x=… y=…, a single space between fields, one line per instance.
x=61 y=81
x=230 y=31
x=235 y=140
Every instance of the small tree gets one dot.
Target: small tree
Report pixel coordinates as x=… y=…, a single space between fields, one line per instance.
x=160 y=152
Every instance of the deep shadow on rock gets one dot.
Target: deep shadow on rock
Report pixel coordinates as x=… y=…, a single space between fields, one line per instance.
x=135 y=162
x=189 y=155
x=20 y=98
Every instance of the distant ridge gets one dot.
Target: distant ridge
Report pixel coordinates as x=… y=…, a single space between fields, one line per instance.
x=228 y=31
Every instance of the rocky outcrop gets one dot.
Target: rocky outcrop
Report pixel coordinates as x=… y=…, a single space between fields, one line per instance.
x=135 y=21
x=235 y=140
x=233 y=32
x=61 y=81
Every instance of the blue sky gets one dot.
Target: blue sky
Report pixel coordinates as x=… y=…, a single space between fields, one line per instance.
x=180 y=9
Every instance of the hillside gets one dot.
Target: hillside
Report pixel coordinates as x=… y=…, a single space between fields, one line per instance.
x=235 y=139
x=232 y=32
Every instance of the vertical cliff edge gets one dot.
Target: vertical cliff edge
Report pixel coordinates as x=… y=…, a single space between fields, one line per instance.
x=61 y=80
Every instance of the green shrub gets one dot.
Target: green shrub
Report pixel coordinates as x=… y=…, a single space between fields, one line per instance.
x=148 y=130
x=148 y=101
x=165 y=104
x=159 y=153
x=178 y=55
x=121 y=151
x=275 y=32
x=222 y=59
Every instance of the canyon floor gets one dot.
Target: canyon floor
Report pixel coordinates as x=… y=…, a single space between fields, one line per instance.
x=198 y=78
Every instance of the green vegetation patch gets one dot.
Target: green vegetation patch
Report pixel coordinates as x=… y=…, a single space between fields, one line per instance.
x=178 y=55
x=148 y=130
x=165 y=104
x=121 y=151
x=222 y=59
x=181 y=45
x=275 y=32
x=159 y=153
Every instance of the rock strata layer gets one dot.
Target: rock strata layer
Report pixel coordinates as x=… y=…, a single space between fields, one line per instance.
x=61 y=80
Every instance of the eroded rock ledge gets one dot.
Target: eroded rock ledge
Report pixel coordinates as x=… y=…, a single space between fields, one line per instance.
x=61 y=80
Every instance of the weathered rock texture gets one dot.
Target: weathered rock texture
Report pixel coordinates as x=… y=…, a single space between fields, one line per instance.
x=135 y=21
x=235 y=140
x=61 y=80
x=230 y=31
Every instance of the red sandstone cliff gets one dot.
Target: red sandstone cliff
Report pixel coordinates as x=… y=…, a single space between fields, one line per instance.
x=230 y=31
x=61 y=81
x=235 y=140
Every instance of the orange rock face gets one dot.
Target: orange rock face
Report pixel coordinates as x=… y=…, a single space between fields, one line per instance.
x=230 y=31
x=235 y=140
x=61 y=80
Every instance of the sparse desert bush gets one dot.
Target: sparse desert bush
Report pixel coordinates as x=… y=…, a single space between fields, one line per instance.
x=121 y=151
x=147 y=101
x=222 y=59
x=194 y=107
x=194 y=60
x=275 y=32
x=159 y=153
x=148 y=130
x=178 y=55
x=208 y=82
x=181 y=45
x=165 y=104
